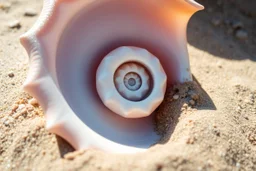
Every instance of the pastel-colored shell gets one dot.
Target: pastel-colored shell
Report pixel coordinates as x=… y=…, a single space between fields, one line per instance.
x=69 y=42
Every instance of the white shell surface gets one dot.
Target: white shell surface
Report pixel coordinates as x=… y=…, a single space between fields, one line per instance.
x=66 y=46
x=149 y=96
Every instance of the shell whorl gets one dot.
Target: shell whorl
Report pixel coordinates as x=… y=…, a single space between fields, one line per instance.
x=132 y=81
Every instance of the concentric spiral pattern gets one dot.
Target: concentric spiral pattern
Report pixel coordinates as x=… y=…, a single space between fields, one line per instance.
x=132 y=81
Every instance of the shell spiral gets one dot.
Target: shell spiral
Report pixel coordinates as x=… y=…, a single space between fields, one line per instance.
x=132 y=81
x=139 y=82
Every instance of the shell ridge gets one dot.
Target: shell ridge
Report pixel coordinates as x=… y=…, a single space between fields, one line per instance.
x=41 y=22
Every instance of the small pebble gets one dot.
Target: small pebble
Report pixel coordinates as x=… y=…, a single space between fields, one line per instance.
x=73 y=155
x=14 y=24
x=69 y=156
x=29 y=107
x=33 y=140
x=22 y=111
x=192 y=102
x=219 y=64
x=251 y=96
x=30 y=12
x=21 y=106
x=241 y=34
x=6 y=123
x=11 y=74
x=33 y=102
x=21 y=101
x=195 y=97
x=248 y=101
x=17 y=115
x=20 y=117
x=190 y=140
x=176 y=97
x=185 y=106
x=238 y=165
x=15 y=107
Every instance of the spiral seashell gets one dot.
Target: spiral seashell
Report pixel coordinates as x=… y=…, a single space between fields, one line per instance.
x=99 y=69
x=137 y=77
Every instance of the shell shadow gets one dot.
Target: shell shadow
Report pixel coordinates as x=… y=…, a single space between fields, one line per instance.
x=64 y=146
x=168 y=113
x=219 y=39
x=162 y=115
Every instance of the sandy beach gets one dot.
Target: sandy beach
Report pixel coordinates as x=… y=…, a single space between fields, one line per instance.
x=209 y=125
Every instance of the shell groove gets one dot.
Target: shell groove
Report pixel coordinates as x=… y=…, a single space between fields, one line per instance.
x=132 y=81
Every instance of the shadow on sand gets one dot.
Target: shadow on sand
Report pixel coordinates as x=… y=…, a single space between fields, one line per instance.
x=168 y=113
x=220 y=40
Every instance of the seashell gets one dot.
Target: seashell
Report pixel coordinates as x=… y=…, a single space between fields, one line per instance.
x=99 y=69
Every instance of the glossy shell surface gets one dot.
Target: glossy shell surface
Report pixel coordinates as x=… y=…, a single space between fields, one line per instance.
x=67 y=45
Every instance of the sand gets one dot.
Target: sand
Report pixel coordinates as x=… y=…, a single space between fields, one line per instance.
x=208 y=124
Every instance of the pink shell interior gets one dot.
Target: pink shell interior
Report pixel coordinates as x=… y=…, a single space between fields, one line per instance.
x=97 y=30
x=87 y=39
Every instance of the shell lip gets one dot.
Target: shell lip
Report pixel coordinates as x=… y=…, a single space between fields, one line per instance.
x=195 y=4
